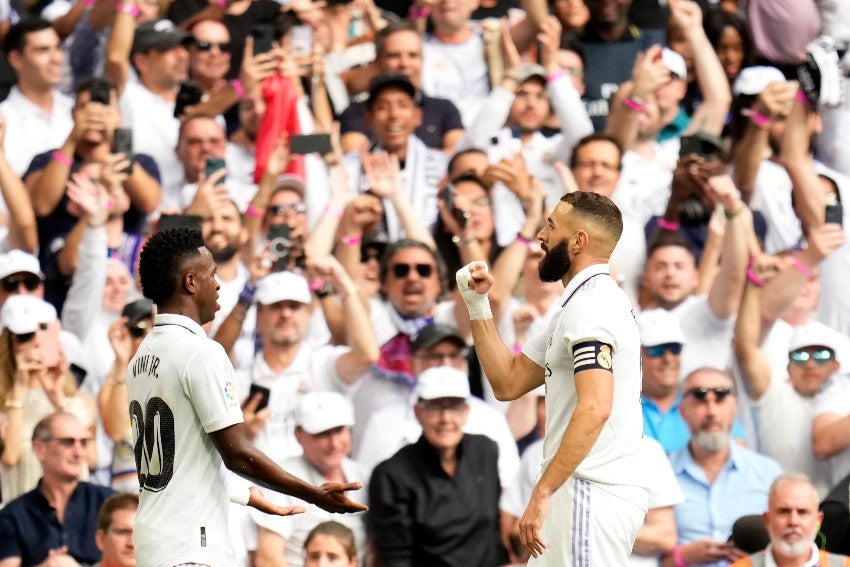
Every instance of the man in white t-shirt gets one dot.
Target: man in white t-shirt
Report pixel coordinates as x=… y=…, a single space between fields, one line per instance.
x=38 y=116
x=323 y=429
x=187 y=424
x=593 y=423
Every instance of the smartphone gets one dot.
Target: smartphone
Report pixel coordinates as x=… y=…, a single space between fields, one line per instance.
x=263 y=35
x=459 y=214
x=280 y=246
x=99 y=90
x=190 y=94
x=301 y=40
x=176 y=221
x=310 y=143
x=213 y=165
x=122 y=142
x=835 y=214
x=48 y=343
x=263 y=391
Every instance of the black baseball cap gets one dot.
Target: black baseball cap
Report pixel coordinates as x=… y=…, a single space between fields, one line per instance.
x=392 y=81
x=137 y=310
x=435 y=333
x=159 y=35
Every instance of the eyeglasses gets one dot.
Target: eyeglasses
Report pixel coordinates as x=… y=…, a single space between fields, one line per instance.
x=456 y=356
x=138 y=330
x=280 y=210
x=11 y=283
x=657 y=351
x=24 y=338
x=401 y=271
x=820 y=356
x=223 y=46
x=720 y=393
x=69 y=442
x=452 y=405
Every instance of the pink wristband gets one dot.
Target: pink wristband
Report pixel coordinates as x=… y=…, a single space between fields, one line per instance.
x=677 y=557
x=754 y=279
x=760 y=119
x=88 y=3
x=333 y=211
x=801 y=96
x=127 y=9
x=523 y=240
x=419 y=13
x=237 y=87
x=555 y=75
x=351 y=240
x=665 y=224
x=801 y=267
x=254 y=212
x=633 y=104
x=318 y=283
x=517 y=348
x=62 y=158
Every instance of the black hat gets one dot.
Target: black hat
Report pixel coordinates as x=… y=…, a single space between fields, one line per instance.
x=159 y=35
x=435 y=333
x=391 y=81
x=137 y=310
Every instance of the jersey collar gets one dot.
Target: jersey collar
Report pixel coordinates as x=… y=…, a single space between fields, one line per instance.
x=580 y=278
x=163 y=319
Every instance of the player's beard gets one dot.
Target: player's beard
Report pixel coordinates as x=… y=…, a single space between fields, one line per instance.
x=555 y=264
x=793 y=548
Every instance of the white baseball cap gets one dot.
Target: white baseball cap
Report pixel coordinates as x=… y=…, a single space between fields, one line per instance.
x=283 y=286
x=442 y=382
x=22 y=314
x=813 y=334
x=17 y=261
x=659 y=327
x=753 y=80
x=674 y=62
x=320 y=411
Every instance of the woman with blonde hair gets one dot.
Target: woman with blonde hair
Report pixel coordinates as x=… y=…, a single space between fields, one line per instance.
x=35 y=381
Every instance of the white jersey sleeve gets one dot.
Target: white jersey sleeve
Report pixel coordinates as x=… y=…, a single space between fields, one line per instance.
x=210 y=382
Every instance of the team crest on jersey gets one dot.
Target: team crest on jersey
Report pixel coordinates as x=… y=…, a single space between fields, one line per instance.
x=229 y=392
x=603 y=358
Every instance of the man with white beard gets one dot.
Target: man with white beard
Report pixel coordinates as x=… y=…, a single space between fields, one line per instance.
x=792 y=521
x=721 y=480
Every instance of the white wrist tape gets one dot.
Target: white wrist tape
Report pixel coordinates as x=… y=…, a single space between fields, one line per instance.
x=240 y=494
x=478 y=304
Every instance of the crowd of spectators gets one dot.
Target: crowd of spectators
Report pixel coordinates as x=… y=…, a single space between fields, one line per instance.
x=343 y=160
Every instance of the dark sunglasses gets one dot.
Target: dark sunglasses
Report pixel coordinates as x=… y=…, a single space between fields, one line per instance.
x=657 y=351
x=402 y=270
x=138 y=330
x=820 y=356
x=720 y=393
x=11 y=283
x=70 y=441
x=223 y=46
x=280 y=210
x=24 y=338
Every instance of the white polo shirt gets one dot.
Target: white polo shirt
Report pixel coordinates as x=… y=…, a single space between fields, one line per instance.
x=181 y=387
x=29 y=131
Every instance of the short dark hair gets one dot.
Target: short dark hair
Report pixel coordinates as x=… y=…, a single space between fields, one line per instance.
x=401 y=244
x=16 y=37
x=162 y=257
x=665 y=238
x=599 y=208
x=596 y=137
x=454 y=159
x=283 y=23
x=86 y=84
x=390 y=29
x=119 y=501
x=343 y=535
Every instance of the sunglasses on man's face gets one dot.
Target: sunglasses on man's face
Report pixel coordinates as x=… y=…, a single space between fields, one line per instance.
x=24 y=338
x=223 y=46
x=280 y=210
x=700 y=394
x=657 y=351
x=401 y=271
x=820 y=356
x=11 y=283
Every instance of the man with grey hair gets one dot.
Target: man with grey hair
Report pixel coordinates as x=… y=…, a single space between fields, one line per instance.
x=712 y=469
x=792 y=521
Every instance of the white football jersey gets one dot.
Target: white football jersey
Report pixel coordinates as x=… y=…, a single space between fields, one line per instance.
x=181 y=387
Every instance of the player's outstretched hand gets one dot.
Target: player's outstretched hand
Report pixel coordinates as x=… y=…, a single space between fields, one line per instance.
x=258 y=500
x=474 y=281
x=333 y=499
